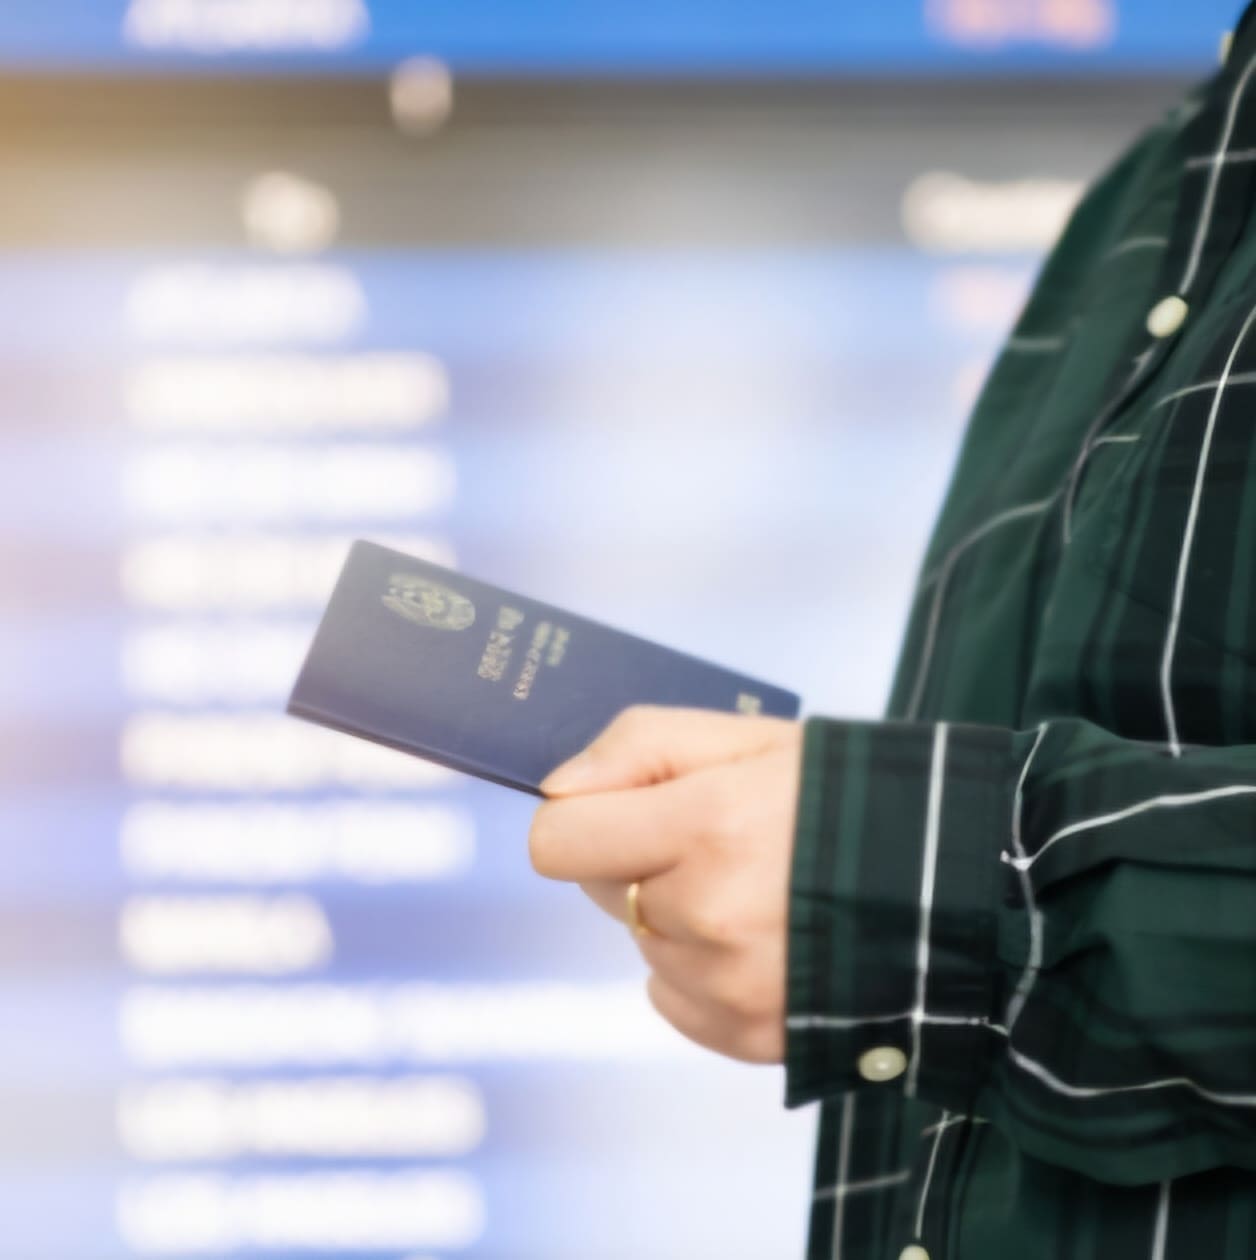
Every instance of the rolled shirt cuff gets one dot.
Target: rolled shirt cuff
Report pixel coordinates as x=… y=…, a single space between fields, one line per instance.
x=892 y=975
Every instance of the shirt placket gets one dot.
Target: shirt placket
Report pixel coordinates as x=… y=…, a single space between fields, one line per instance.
x=1219 y=143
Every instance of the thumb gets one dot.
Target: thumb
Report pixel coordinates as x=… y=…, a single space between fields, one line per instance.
x=651 y=743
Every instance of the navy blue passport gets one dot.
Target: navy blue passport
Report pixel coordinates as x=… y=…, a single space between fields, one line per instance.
x=420 y=658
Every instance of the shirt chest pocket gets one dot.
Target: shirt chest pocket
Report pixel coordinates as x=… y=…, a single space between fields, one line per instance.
x=1173 y=521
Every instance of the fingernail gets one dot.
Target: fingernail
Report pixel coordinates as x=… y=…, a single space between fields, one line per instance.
x=568 y=777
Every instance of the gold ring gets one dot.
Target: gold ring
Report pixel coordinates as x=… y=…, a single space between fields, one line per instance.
x=638 y=925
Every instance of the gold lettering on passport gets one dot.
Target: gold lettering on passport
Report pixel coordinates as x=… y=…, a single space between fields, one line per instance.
x=558 y=646
x=498 y=650
x=532 y=662
x=746 y=703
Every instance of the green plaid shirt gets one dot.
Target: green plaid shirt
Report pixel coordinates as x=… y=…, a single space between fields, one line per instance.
x=1022 y=951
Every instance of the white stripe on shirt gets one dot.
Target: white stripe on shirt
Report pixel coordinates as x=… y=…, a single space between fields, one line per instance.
x=928 y=875
x=1188 y=536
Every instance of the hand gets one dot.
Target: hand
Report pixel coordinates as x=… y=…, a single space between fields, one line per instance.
x=698 y=806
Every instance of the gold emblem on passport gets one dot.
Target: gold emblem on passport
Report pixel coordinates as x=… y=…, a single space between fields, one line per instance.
x=428 y=603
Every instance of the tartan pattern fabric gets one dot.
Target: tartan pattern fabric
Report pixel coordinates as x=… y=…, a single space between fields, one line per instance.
x=1036 y=879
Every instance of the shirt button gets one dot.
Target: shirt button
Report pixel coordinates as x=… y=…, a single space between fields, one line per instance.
x=882 y=1063
x=1167 y=316
x=913 y=1252
x=1227 y=42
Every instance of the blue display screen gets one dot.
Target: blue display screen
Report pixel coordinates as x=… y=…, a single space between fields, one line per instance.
x=619 y=36
x=269 y=990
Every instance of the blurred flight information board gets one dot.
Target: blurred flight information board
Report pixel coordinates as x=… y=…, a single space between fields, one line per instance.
x=270 y=991
x=620 y=36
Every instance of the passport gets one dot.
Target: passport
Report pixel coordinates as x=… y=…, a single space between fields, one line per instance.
x=482 y=680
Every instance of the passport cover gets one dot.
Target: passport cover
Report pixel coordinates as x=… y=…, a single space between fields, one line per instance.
x=420 y=658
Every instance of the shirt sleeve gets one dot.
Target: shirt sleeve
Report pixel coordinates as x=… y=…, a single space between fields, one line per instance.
x=1054 y=929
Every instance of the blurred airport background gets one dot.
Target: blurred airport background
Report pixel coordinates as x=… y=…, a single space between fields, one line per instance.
x=668 y=311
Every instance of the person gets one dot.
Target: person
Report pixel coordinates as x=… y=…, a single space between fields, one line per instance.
x=1007 y=936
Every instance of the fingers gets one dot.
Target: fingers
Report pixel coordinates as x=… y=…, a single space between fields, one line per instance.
x=636 y=832
x=651 y=743
x=689 y=908
x=745 y=989
x=686 y=1016
x=712 y=851
x=656 y=909
x=723 y=999
x=609 y=894
x=708 y=1027
x=613 y=835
